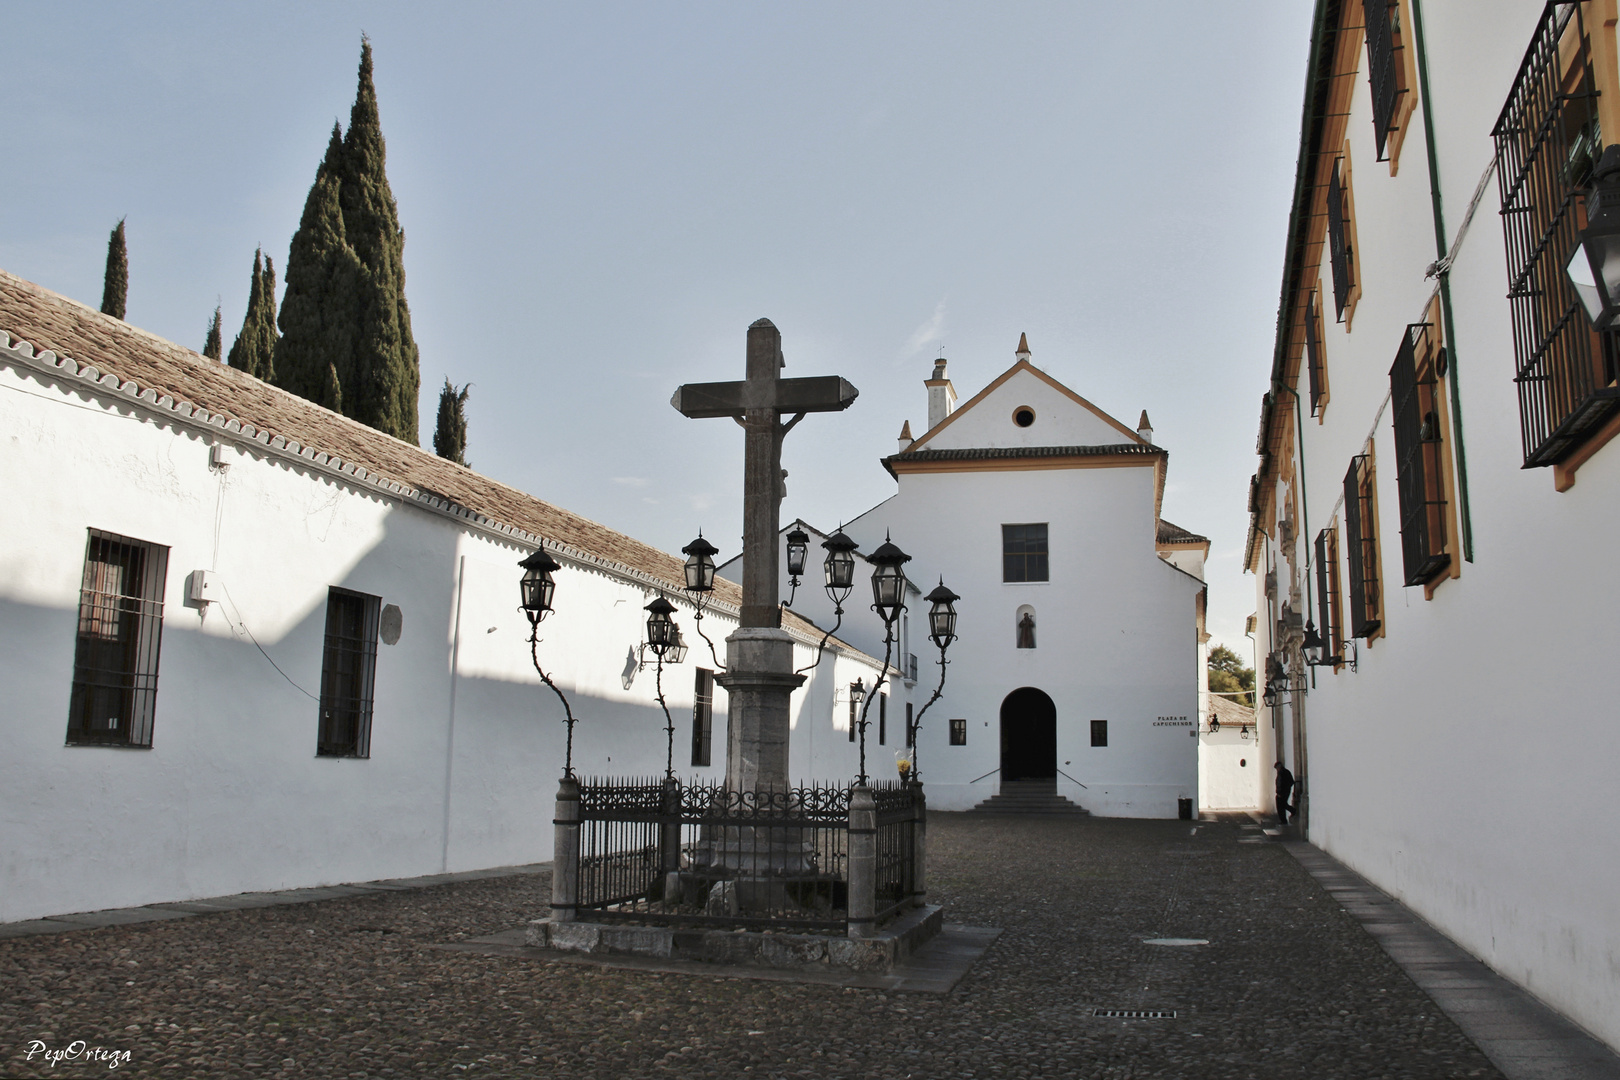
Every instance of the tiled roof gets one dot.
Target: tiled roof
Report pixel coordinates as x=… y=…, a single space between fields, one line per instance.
x=1228 y=711
x=268 y=415
x=1175 y=534
x=993 y=453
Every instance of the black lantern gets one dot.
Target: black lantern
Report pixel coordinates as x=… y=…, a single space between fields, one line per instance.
x=798 y=545
x=888 y=580
x=942 y=616
x=677 y=651
x=857 y=691
x=1270 y=696
x=1314 y=648
x=1214 y=724
x=699 y=565
x=1594 y=267
x=840 y=565
x=661 y=629
x=537 y=585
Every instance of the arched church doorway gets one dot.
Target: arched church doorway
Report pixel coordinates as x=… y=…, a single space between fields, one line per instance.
x=1028 y=736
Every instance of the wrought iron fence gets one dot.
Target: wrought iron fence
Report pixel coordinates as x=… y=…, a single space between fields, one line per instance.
x=701 y=854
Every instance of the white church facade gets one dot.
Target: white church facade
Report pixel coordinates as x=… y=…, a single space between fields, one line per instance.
x=1079 y=662
x=248 y=644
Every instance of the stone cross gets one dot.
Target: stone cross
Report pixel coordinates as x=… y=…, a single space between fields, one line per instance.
x=759 y=676
x=758 y=404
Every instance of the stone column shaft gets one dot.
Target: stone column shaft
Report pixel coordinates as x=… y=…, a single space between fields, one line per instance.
x=862 y=862
x=565 y=852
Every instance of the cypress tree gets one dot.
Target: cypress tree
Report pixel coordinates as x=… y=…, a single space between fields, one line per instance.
x=255 y=346
x=450 y=435
x=213 y=343
x=115 y=284
x=346 y=328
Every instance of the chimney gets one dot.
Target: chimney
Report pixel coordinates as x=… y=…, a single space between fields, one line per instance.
x=941 y=396
x=1144 y=429
x=1023 y=346
x=905 y=437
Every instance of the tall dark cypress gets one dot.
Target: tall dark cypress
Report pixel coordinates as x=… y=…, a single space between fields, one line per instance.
x=214 y=343
x=346 y=327
x=115 y=284
x=255 y=346
x=450 y=434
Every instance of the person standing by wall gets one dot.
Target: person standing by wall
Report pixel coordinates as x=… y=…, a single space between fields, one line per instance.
x=1285 y=788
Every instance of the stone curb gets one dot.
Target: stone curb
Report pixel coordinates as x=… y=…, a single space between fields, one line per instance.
x=182 y=909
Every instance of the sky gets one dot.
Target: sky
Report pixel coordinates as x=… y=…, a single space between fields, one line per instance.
x=599 y=198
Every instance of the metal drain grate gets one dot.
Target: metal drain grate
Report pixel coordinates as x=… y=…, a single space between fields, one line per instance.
x=1135 y=1014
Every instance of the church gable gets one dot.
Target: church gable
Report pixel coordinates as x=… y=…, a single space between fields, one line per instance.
x=1026 y=407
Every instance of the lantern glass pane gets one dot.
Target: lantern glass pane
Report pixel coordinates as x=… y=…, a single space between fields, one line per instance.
x=795 y=559
x=887 y=584
x=840 y=569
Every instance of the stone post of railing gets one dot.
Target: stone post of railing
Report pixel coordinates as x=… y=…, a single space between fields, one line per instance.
x=862 y=862
x=565 y=852
x=919 y=845
x=669 y=840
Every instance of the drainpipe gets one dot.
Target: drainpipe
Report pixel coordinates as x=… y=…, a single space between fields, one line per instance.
x=1445 y=284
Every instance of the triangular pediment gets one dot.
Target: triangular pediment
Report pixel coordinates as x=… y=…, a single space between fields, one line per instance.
x=1057 y=417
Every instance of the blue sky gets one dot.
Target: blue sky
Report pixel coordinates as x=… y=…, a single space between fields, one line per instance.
x=599 y=198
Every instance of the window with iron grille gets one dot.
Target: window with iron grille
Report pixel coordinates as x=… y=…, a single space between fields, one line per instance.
x=1547 y=140
x=120 y=629
x=854 y=712
x=1023 y=553
x=1361 y=547
x=1315 y=364
x=1340 y=257
x=1383 y=67
x=1327 y=590
x=958 y=732
x=1099 y=733
x=702 y=717
x=883 y=719
x=348 y=674
x=911 y=727
x=1419 y=461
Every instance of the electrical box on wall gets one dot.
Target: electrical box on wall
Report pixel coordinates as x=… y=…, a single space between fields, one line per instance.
x=204 y=587
x=219 y=456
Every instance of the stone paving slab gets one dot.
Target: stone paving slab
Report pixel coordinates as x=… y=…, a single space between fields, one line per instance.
x=1524 y=1038
x=118 y=916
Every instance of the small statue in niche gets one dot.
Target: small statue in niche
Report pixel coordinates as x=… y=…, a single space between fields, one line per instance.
x=1026 y=631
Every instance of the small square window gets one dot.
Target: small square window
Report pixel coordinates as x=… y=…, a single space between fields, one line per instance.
x=348 y=674
x=1099 y=733
x=1023 y=552
x=958 y=732
x=115 y=662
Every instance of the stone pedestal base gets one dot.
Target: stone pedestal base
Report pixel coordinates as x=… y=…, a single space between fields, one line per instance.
x=759 y=682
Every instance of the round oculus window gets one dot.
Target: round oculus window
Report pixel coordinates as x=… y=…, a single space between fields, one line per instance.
x=1023 y=416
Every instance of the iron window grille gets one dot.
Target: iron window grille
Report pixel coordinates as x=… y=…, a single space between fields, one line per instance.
x=1547 y=140
x=1361 y=540
x=1419 y=434
x=1099 y=733
x=703 y=717
x=348 y=674
x=911 y=727
x=1383 y=74
x=959 y=732
x=1023 y=553
x=854 y=712
x=1340 y=257
x=883 y=719
x=1327 y=591
x=1314 y=364
x=120 y=629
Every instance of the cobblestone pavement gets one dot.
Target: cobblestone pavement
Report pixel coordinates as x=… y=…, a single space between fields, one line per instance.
x=1289 y=985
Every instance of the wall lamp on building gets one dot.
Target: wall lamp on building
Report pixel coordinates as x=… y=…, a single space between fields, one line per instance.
x=538 y=587
x=1594 y=267
x=1277 y=681
x=1315 y=650
x=664 y=639
x=700 y=583
x=798 y=546
x=941 y=631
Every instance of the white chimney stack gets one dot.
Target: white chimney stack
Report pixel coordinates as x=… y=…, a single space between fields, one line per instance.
x=941 y=396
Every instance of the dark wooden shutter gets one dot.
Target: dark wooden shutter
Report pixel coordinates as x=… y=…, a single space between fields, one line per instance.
x=1381 y=69
x=1339 y=253
x=1360 y=553
x=1327 y=592
x=1417 y=463
x=703 y=717
x=1313 y=356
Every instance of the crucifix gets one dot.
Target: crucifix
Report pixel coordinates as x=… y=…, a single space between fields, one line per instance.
x=759 y=660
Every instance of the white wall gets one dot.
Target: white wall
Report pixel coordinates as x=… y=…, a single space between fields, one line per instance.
x=466 y=744
x=1467 y=766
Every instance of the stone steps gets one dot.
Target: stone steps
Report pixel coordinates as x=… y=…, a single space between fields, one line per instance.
x=1029 y=797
